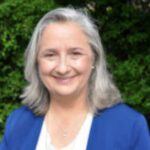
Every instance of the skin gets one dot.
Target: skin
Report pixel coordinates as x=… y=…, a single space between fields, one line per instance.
x=65 y=62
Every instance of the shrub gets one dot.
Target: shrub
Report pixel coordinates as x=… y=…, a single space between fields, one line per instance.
x=125 y=32
x=18 y=19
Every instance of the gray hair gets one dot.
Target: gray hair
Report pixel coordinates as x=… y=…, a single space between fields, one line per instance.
x=102 y=91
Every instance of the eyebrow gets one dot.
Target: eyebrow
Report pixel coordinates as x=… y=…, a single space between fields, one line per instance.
x=69 y=49
x=76 y=48
x=50 y=50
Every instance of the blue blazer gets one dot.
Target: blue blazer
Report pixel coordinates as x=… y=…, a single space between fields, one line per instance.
x=115 y=128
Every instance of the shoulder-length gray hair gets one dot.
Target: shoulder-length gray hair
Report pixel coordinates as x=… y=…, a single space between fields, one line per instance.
x=102 y=91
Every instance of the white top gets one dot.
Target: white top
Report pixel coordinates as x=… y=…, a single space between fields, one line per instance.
x=79 y=143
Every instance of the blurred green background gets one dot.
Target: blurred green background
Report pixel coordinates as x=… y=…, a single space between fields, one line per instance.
x=125 y=32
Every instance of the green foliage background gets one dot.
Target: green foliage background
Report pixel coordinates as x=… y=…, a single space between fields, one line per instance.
x=125 y=32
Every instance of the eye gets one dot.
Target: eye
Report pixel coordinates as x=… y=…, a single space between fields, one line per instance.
x=77 y=53
x=50 y=56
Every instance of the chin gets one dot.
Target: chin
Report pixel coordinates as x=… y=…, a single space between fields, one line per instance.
x=68 y=92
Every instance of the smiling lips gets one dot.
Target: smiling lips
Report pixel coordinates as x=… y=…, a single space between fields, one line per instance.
x=64 y=80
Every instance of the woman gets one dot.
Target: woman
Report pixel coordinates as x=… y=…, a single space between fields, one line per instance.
x=70 y=101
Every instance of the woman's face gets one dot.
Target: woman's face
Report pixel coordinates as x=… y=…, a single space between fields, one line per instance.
x=65 y=59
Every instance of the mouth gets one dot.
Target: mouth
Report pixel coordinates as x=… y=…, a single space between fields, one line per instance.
x=64 y=80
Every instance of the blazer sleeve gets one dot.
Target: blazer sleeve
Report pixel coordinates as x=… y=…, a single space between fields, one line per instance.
x=10 y=123
x=141 y=135
x=22 y=130
x=4 y=143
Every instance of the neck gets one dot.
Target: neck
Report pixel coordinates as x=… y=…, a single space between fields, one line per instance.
x=65 y=118
x=68 y=106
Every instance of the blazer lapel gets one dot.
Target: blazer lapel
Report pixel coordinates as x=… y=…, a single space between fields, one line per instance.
x=32 y=139
x=96 y=139
x=92 y=141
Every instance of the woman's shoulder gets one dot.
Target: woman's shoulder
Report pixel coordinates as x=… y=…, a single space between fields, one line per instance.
x=121 y=109
x=22 y=112
x=21 y=117
x=18 y=124
x=121 y=119
x=122 y=114
x=123 y=126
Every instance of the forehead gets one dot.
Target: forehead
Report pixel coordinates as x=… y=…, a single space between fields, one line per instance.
x=63 y=29
x=61 y=33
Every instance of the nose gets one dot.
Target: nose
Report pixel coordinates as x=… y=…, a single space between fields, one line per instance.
x=63 y=66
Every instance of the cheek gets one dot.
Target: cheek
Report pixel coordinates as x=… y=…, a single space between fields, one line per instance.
x=84 y=66
x=45 y=67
